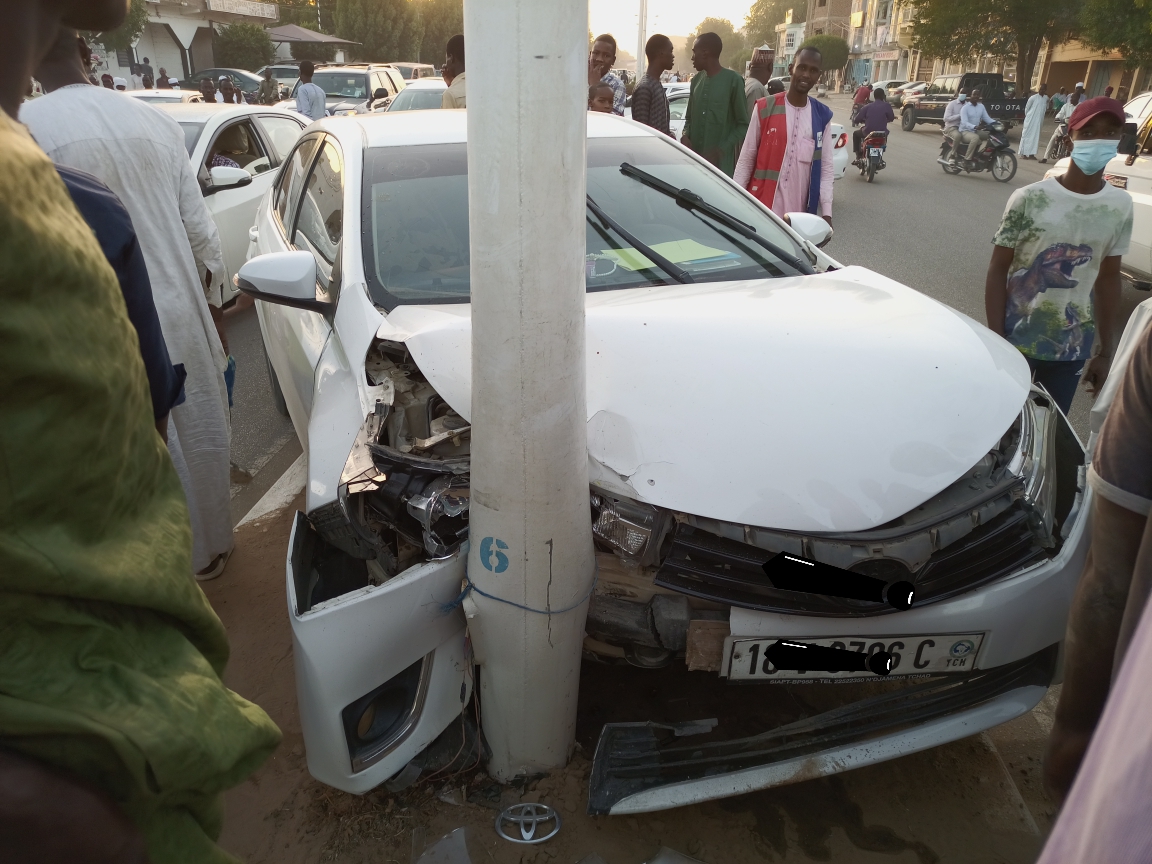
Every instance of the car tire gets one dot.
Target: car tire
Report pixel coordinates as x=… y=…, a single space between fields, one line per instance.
x=274 y=386
x=908 y=120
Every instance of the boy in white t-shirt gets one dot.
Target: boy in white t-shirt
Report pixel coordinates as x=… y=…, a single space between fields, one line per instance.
x=1053 y=286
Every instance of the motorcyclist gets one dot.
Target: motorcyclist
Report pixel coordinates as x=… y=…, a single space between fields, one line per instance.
x=972 y=114
x=875 y=116
x=952 y=118
x=1061 y=130
x=860 y=99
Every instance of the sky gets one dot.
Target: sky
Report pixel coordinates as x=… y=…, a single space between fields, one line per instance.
x=671 y=17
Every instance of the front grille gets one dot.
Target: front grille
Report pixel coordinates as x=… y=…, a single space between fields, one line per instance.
x=705 y=565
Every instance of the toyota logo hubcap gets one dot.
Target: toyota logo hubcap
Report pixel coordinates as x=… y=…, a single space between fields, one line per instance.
x=528 y=823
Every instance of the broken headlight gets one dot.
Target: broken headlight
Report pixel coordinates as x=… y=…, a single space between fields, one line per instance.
x=632 y=529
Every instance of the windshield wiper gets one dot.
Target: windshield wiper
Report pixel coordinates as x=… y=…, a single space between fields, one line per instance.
x=678 y=273
x=690 y=200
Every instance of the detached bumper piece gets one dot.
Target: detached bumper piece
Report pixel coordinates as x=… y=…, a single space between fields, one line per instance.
x=636 y=758
x=705 y=565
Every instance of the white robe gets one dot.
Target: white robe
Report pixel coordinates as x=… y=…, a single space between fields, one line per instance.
x=1033 y=119
x=139 y=152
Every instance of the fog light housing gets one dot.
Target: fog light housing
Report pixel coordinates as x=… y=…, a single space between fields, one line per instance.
x=377 y=722
x=631 y=529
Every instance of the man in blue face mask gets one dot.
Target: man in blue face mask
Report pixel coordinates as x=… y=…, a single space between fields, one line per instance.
x=1053 y=287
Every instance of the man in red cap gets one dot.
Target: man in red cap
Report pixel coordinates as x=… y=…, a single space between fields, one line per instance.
x=1053 y=286
x=1053 y=290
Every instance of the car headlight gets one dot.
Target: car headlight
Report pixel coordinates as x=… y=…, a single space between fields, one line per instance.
x=1034 y=462
x=345 y=113
x=632 y=529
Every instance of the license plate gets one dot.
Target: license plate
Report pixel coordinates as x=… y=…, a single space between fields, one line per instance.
x=1117 y=180
x=874 y=151
x=914 y=655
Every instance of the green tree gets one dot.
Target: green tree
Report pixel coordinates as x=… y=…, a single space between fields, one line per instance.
x=124 y=36
x=243 y=46
x=443 y=19
x=317 y=52
x=722 y=27
x=303 y=13
x=387 y=30
x=1119 y=25
x=833 y=49
x=760 y=25
x=959 y=30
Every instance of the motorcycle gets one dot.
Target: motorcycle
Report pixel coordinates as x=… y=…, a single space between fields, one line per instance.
x=1059 y=146
x=995 y=155
x=871 y=158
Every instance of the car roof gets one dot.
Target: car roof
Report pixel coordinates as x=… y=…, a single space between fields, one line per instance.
x=427 y=84
x=193 y=112
x=449 y=126
x=411 y=63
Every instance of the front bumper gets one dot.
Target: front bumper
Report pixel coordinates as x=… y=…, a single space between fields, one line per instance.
x=644 y=767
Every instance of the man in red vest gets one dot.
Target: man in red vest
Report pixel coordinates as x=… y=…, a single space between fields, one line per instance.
x=786 y=160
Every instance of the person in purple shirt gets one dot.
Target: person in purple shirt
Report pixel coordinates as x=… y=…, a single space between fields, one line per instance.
x=875 y=116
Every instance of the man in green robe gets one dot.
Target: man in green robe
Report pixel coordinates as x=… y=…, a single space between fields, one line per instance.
x=717 y=117
x=117 y=735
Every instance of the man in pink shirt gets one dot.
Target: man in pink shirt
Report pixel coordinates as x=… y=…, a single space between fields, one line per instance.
x=786 y=159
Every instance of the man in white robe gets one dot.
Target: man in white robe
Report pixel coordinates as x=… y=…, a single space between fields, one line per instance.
x=139 y=153
x=1033 y=119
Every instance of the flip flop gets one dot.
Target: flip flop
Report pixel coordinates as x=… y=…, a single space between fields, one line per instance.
x=216 y=569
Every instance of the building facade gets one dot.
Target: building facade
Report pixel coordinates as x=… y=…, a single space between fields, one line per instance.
x=830 y=17
x=789 y=37
x=1070 y=63
x=880 y=40
x=178 y=35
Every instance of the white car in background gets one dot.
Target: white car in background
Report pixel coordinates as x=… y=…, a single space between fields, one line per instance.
x=747 y=395
x=421 y=94
x=168 y=97
x=264 y=134
x=1134 y=174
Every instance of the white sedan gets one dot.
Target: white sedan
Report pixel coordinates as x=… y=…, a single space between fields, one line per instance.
x=747 y=396
x=248 y=143
x=420 y=94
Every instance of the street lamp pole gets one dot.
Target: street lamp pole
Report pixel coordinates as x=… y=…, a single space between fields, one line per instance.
x=640 y=56
x=531 y=555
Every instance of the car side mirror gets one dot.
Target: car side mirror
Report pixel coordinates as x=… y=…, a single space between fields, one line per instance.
x=1127 y=145
x=285 y=278
x=812 y=228
x=227 y=178
x=380 y=93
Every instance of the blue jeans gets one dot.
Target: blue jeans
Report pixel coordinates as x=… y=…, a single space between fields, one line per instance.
x=1058 y=377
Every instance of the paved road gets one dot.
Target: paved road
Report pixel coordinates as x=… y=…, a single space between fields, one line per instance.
x=914 y=224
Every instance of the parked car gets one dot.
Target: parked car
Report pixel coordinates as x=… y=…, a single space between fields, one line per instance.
x=1134 y=173
x=166 y=96
x=421 y=94
x=284 y=74
x=929 y=107
x=898 y=95
x=1139 y=108
x=928 y=457
x=266 y=134
x=888 y=84
x=415 y=71
x=243 y=80
x=356 y=88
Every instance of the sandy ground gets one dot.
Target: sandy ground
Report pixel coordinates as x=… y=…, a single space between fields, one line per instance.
x=977 y=800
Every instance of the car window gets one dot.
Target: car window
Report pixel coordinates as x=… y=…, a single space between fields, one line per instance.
x=677 y=107
x=238 y=146
x=397 y=79
x=417 y=99
x=291 y=181
x=319 y=225
x=191 y=134
x=350 y=85
x=1136 y=107
x=282 y=132
x=415 y=218
x=1144 y=136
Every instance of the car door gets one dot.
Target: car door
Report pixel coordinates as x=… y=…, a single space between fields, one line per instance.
x=233 y=208
x=677 y=107
x=1137 y=179
x=307 y=215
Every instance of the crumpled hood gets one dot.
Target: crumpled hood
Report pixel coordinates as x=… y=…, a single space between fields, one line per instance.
x=833 y=402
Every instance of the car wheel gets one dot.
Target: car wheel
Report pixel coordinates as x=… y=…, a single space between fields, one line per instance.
x=1004 y=168
x=907 y=121
x=274 y=385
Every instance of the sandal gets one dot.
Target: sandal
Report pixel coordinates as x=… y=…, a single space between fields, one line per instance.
x=216 y=568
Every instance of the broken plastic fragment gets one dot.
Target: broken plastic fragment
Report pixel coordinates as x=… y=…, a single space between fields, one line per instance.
x=449 y=849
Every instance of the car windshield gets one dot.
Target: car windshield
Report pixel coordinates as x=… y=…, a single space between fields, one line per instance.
x=417 y=99
x=349 y=85
x=415 y=218
x=192 y=132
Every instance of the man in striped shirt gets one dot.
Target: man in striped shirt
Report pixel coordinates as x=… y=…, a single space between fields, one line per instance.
x=649 y=99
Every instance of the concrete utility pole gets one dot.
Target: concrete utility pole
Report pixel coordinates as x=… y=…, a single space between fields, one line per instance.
x=531 y=533
x=641 y=39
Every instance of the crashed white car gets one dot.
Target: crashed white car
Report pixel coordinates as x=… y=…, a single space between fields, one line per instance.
x=747 y=395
